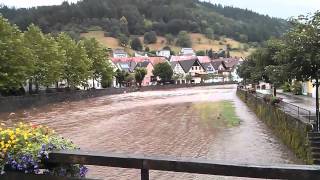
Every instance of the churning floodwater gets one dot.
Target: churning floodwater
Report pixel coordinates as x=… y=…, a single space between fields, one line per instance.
x=160 y=123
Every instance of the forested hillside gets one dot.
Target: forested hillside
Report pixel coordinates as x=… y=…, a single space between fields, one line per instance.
x=135 y=17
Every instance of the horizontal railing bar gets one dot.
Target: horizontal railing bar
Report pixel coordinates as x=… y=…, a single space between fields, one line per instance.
x=299 y=172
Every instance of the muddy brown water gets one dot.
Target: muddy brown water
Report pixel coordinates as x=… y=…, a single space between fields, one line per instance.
x=160 y=123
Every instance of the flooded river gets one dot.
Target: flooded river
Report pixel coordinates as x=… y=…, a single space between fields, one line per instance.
x=161 y=123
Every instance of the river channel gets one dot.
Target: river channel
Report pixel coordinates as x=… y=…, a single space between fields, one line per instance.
x=161 y=123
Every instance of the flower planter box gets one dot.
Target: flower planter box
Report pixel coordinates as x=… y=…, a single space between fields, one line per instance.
x=21 y=176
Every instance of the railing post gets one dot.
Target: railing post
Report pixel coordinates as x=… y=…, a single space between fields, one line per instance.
x=144 y=174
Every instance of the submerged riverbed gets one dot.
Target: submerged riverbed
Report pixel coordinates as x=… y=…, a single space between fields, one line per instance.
x=197 y=122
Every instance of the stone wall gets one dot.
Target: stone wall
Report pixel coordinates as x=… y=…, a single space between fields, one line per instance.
x=292 y=131
x=14 y=103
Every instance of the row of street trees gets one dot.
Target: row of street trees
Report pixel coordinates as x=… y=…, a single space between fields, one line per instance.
x=44 y=60
x=296 y=56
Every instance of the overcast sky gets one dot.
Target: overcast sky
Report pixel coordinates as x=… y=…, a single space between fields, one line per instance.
x=275 y=8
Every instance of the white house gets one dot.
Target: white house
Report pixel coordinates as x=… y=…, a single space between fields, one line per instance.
x=140 y=54
x=187 y=52
x=164 y=53
x=120 y=53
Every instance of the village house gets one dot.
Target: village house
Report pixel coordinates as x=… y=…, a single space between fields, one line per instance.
x=164 y=53
x=187 y=52
x=140 y=54
x=120 y=53
x=131 y=63
x=191 y=66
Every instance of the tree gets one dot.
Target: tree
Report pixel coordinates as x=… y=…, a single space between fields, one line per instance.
x=124 y=26
x=188 y=78
x=169 y=38
x=98 y=56
x=302 y=52
x=210 y=54
x=121 y=77
x=123 y=40
x=16 y=60
x=77 y=65
x=201 y=53
x=136 y=44
x=150 y=37
x=139 y=75
x=163 y=71
x=209 y=33
x=184 y=39
x=48 y=58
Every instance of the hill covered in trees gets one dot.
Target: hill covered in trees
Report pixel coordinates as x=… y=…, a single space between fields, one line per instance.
x=135 y=17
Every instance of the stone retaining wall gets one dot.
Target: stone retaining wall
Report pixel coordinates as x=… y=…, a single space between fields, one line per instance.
x=292 y=131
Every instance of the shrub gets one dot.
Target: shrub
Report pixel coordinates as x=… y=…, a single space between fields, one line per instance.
x=286 y=87
x=24 y=147
x=297 y=88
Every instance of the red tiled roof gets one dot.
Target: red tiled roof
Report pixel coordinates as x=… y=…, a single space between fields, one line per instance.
x=202 y=59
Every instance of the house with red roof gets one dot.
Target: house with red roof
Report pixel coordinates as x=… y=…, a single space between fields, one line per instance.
x=131 y=63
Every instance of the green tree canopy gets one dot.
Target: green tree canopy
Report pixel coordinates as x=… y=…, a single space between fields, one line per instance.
x=184 y=39
x=163 y=71
x=139 y=75
x=136 y=44
x=16 y=60
x=49 y=58
x=99 y=58
x=77 y=67
x=150 y=37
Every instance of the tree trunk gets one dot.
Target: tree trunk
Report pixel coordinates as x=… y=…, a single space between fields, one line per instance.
x=274 y=91
x=30 y=86
x=93 y=83
x=317 y=104
x=37 y=87
x=57 y=85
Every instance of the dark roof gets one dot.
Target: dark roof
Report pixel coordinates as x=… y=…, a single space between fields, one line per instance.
x=143 y=64
x=217 y=63
x=187 y=64
x=206 y=65
x=173 y=64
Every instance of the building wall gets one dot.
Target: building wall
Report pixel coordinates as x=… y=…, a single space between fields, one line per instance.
x=147 y=79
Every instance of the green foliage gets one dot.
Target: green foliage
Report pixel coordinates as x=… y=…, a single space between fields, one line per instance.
x=150 y=37
x=121 y=76
x=99 y=58
x=209 y=33
x=286 y=87
x=169 y=38
x=16 y=60
x=297 y=88
x=139 y=75
x=140 y=16
x=184 y=39
x=123 y=40
x=201 y=53
x=163 y=71
x=188 y=78
x=49 y=58
x=136 y=44
x=77 y=65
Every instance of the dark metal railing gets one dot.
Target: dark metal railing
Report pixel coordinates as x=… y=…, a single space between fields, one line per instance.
x=145 y=164
x=294 y=110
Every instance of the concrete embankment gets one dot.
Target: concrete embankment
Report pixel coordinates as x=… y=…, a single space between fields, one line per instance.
x=292 y=131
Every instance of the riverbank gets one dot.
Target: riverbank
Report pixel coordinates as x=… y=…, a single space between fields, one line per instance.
x=292 y=131
x=15 y=103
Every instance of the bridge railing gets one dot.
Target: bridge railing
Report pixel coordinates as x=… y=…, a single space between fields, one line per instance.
x=146 y=164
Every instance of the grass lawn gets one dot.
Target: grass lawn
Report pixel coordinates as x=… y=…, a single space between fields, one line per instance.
x=199 y=42
x=217 y=114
